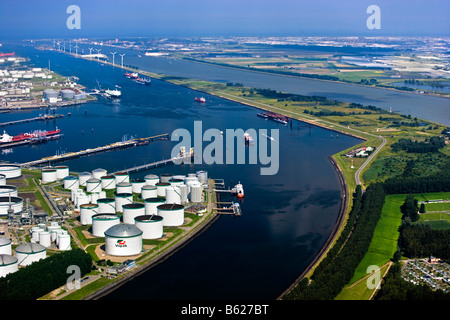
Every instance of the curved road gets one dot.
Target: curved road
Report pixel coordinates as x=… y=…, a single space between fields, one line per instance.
x=358 y=172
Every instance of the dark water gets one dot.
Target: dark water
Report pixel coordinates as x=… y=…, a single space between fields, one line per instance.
x=286 y=217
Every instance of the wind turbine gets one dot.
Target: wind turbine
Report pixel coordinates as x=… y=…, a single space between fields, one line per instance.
x=121 y=55
x=113 y=53
x=70 y=47
x=64 y=46
x=98 y=52
x=76 y=49
x=90 y=50
x=54 y=44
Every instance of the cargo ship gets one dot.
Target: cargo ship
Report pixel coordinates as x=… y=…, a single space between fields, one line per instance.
x=145 y=81
x=35 y=135
x=133 y=75
x=202 y=99
x=113 y=93
x=274 y=116
x=7 y=54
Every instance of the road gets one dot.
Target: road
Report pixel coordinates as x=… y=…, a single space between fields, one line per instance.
x=358 y=172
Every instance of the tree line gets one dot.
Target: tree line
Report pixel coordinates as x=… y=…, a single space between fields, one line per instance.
x=432 y=144
x=43 y=276
x=340 y=266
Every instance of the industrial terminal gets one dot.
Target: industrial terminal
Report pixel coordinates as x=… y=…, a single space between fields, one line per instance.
x=23 y=86
x=125 y=224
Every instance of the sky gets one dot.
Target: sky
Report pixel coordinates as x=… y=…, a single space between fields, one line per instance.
x=26 y=19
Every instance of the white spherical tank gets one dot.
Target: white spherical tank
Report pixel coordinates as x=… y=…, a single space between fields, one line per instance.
x=86 y=212
x=16 y=204
x=132 y=210
x=124 y=187
x=28 y=253
x=173 y=214
x=151 y=226
x=64 y=242
x=102 y=222
x=45 y=239
x=122 y=177
x=48 y=175
x=7 y=190
x=173 y=195
x=2 y=180
x=106 y=205
x=151 y=205
x=5 y=246
x=84 y=176
x=108 y=182
x=10 y=171
x=137 y=185
x=98 y=173
x=71 y=182
x=62 y=172
x=161 y=188
x=93 y=185
x=149 y=191
x=121 y=199
x=123 y=240
x=8 y=264
x=151 y=179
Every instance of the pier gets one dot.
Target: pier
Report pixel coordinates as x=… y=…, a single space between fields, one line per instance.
x=229 y=207
x=110 y=147
x=45 y=117
x=155 y=164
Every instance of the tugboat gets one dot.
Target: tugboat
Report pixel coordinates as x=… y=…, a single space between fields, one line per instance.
x=238 y=190
x=202 y=99
x=248 y=138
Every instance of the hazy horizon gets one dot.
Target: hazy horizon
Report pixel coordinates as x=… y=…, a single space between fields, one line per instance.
x=200 y=18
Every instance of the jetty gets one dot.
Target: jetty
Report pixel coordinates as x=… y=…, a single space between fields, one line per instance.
x=44 y=117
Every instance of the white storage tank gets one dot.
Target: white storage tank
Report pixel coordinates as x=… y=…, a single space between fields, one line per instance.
x=10 y=171
x=108 y=182
x=132 y=210
x=165 y=177
x=82 y=199
x=98 y=173
x=102 y=222
x=122 y=177
x=84 y=176
x=86 y=212
x=28 y=253
x=124 y=187
x=106 y=205
x=48 y=175
x=184 y=193
x=5 y=246
x=179 y=177
x=64 y=242
x=161 y=188
x=16 y=204
x=93 y=185
x=7 y=190
x=35 y=233
x=71 y=182
x=176 y=182
x=196 y=192
x=121 y=199
x=2 y=180
x=151 y=226
x=151 y=205
x=8 y=264
x=137 y=185
x=173 y=195
x=149 y=191
x=173 y=214
x=202 y=176
x=123 y=240
x=62 y=172
x=94 y=197
x=45 y=238
x=151 y=179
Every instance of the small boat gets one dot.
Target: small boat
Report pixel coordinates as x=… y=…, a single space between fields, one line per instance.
x=268 y=137
x=145 y=81
x=248 y=138
x=133 y=75
x=113 y=93
x=202 y=99
x=238 y=190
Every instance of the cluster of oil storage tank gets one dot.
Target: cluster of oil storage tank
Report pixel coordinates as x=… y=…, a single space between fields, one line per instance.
x=46 y=235
x=25 y=254
x=9 y=198
x=125 y=223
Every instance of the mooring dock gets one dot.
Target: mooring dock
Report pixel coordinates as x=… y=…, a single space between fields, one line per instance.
x=228 y=207
x=45 y=117
x=113 y=146
x=155 y=164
